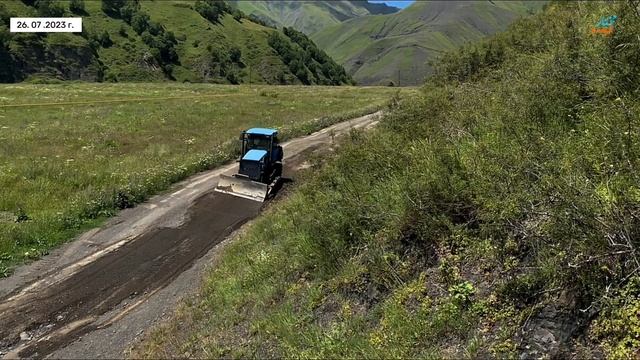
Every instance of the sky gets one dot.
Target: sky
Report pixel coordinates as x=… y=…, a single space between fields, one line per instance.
x=397 y=3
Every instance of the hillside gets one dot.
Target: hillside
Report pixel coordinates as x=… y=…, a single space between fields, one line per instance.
x=194 y=41
x=310 y=16
x=494 y=215
x=397 y=47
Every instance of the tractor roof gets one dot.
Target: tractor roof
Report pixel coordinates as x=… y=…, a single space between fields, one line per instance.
x=262 y=131
x=254 y=155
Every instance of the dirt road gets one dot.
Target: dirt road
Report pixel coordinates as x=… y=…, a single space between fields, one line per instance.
x=94 y=296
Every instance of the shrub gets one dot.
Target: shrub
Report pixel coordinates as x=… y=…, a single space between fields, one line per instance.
x=235 y=54
x=105 y=39
x=140 y=22
x=77 y=7
x=212 y=9
x=49 y=8
x=112 y=7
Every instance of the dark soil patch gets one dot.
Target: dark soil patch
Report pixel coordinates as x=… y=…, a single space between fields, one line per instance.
x=139 y=267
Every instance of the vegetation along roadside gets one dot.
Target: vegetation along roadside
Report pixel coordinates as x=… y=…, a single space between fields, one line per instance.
x=495 y=214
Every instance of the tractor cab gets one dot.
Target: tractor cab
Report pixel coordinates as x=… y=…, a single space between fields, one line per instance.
x=261 y=153
x=261 y=139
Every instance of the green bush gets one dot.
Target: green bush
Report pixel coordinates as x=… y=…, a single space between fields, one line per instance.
x=212 y=9
x=49 y=8
x=113 y=7
x=77 y=7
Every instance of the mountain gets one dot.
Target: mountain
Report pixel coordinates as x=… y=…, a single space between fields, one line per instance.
x=186 y=41
x=396 y=47
x=310 y=16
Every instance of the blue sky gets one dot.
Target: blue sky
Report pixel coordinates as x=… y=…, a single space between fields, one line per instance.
x=397 y=3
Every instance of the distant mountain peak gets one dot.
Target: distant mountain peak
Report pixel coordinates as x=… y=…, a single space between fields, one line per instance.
x=376 y=8
x=396 y=48
x=311 y=16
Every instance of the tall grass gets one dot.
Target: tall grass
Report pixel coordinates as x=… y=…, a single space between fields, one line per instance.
x=505 y=192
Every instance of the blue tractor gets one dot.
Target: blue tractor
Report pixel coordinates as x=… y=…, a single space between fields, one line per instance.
x=260 y=166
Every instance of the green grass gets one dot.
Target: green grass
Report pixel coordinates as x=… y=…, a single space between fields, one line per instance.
x=69 y=56
x=499 y=203
x=309 y=16
x=371 y=48
x=64 y=167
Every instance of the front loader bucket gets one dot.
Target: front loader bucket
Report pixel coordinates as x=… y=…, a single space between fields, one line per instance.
x=243 y=188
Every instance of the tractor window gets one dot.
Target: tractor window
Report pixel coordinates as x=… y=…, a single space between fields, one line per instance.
x=258 y=142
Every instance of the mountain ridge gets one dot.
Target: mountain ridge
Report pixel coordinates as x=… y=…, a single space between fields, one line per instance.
x=396 y=48
x=310 y=16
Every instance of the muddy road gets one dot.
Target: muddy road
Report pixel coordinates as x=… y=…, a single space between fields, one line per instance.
x=94 y=296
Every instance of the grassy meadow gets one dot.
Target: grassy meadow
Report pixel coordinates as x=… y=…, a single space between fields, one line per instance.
x=494 y=215
x=90 y=149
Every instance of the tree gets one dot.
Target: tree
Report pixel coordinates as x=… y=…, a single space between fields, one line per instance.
x=140 y=22
x=127 y=11
x=5 y=15
x=77 y=7
x=212 y=9
x=238 y=15
x=49 y=8
x=155 y=28
x=148 y=39
x=233 y=77
x=112 y=7
x=170 y=37
x=7 y=71
x=123 y=31
x=235 y=54
x=105 y=39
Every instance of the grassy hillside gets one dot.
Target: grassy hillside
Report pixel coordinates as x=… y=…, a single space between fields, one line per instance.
x=132 y=40
x=309 y=16
x=106 y=147
x=497 y=214
x=396 y=48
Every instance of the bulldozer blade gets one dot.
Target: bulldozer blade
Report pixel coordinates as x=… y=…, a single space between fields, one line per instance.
x=243 y=188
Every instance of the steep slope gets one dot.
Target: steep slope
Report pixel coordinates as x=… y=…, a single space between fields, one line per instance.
x=195 y=41
x=396 y=48
x=310 y=16
x=494 y=215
